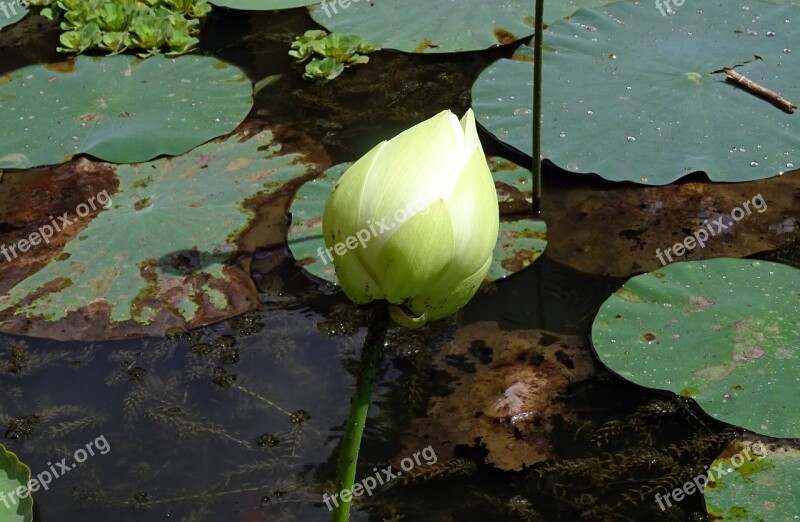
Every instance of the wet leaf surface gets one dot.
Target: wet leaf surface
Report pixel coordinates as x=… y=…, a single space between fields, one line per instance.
x=724 y=332
x=118 y=108
x=663 y=111
x=162 y=254
x=755 y=480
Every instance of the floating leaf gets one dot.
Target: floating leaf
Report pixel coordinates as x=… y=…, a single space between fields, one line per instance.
x=262 y=5
x=11 y=12
x=422 y=26
x=521 y=239
x=724 y=332
x=14 y=474
x=118 y=108
x=305 y=233
x=160 y=256
x=760 y=488
x=633 y=95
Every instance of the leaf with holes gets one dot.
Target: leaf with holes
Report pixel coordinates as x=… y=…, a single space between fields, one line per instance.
x=159 y=255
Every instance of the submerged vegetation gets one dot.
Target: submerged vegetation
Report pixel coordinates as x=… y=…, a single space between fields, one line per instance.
x=190 y=320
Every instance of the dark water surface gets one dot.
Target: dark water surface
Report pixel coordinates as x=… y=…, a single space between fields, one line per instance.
x=240 y=421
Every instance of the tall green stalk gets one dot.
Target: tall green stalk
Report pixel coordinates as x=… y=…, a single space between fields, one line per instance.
x=354 y=431
x=536 y=154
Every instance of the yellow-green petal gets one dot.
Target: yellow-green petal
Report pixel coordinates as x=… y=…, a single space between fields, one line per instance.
x=415 y=168
x=438 y=304
x=415 y=257
x=475 y=215
x=341 y=217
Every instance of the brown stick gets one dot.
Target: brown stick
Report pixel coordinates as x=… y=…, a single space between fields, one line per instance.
x=771 y=96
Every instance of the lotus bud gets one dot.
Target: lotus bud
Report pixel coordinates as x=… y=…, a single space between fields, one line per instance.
x=415 y=221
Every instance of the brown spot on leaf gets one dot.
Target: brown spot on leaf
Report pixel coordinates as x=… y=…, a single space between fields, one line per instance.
x=62 y=67
x=504 y=37
x=89 y=116
x=756 y=352
x=424 y=45
x=698 y=303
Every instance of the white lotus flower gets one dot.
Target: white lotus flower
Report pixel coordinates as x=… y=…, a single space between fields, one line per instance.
x=415 y=221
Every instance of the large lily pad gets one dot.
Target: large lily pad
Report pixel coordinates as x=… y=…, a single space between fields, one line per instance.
x=261 y=5
x=521 y=240
x=14 y=474
x=161 y=255
x=422 y=26
x=764 y=486
x=725 y=332
x=11 y=12
x=633 y=95
x=120 y=108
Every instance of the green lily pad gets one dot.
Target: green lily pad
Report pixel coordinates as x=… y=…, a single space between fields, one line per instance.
x=633 y=95
x=521 y=239
x=11 y=12
x=765 y=485
x=513 y=183
x=14 y=474
x=119 y=108
x=724 y=332
x=160 y=255
x=422 y=26
x=261 y=5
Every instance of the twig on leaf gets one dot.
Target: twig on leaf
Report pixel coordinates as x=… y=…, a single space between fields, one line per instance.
x=759 y=90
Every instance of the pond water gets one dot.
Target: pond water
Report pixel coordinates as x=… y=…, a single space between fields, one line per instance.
x=240 y=421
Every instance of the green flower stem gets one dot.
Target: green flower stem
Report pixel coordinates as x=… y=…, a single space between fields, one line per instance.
x=351 y=443
x=536 y=155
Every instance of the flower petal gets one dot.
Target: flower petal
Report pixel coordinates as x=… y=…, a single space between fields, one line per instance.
x=355 y=280
x=416 y=256
x=471 y=140
x=475 y=215
x=341 y=217
x=415 y=168
x=441 y=301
